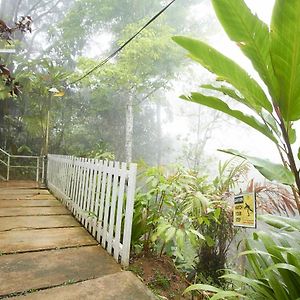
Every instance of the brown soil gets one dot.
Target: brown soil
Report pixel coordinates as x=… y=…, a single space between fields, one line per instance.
x=160 y=275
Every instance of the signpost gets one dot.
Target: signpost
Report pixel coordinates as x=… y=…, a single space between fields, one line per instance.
x=244 y=210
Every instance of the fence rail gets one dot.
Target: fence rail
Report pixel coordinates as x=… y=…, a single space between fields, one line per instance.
x=10 y=162
x=100 y=194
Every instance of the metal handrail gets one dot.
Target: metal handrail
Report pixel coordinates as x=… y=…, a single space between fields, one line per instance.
x=4 y=152
x=24 y=156
x=3 y=162
x=37 y=167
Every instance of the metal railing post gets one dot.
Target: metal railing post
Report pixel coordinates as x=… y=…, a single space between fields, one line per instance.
x=8 y=166
x=37 y=169
x=43 y=169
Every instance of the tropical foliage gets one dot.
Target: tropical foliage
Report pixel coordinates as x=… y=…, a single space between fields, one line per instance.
x=8 y=86
x=92 y=112
x=182 y=214
x=274 y=52
x=272 y=270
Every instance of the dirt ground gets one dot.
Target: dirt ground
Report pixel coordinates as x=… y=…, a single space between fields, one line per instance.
x=160 y=275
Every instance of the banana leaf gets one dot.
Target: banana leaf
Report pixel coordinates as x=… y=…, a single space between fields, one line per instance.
x=227 y=70
x=285 y=54
x=220 y=105
x=271 y=171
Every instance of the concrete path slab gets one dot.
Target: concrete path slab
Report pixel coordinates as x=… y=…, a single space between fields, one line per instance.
x=22 y=184
x=37 y=222
x=18 y=191
x=33 y=211
x=129 y=287
x=28 y=203
x=41 y=239
x=45 y=248
x=36 y=270
x=26 y=197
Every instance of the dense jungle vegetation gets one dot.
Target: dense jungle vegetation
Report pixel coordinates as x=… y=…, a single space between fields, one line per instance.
x=184 y=243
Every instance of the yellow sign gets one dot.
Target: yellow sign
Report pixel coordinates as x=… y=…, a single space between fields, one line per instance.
x=244 y=211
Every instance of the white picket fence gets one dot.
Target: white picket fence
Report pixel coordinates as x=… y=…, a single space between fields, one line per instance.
x=100 y=194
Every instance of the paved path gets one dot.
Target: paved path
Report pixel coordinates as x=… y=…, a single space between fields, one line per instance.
x=46 y=254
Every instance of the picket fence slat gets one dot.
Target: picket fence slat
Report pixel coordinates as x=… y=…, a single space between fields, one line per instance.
x=93 y=197
x=100 y=194
x=113 y=207
x=101 y=204
x=99 y=169
x=123 y=173
x=107 y=203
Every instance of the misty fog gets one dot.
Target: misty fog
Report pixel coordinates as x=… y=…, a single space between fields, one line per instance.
x=70 y=37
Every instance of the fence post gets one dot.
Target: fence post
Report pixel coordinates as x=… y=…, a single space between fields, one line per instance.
x=8 y=166
x=43 y=169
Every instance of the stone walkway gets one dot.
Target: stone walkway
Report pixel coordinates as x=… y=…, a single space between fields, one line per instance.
x=46 y=254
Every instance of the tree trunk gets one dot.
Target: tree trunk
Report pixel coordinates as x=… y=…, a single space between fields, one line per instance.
x=198 y=141
x=2 y=9
x=158 y=129
x=129 y=129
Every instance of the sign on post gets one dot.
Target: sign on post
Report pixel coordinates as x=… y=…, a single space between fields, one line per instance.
x=244 y=210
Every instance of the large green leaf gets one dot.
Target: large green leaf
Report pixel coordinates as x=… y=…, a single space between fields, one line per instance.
x=251 y=34
x=227 y=70
x=280 y=222
x=287 y=278
x=285 y=267
x=285 y=53
x=271 y=171
x=226 y=91
x=202 y=287
x=257 y=285
x=218 y=104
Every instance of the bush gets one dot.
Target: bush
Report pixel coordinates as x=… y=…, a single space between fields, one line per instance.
x=273 y=264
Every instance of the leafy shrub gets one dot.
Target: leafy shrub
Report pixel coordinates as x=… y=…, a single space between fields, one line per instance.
x=186 y=217
x=273 y=264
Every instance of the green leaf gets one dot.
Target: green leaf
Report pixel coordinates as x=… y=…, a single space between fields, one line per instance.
x=298 y=154
x=192 y=238
x=271 y=171
x=228 y=70
x=252 y=36
x=292 y=135
x=285 y=54
x=226 y=91
x=285 y=267
x=210 y=242
x=217 y=212
x=280 y=222
x=198 y=234
x=202 y=287
x=3 y=94
x=277 y=287
x=251 y=282
x=161 y=228
x=227 y=294
x=247 y=252
x=170 y=233
x=270 y=120
x=180 y=238
x=218 y=104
